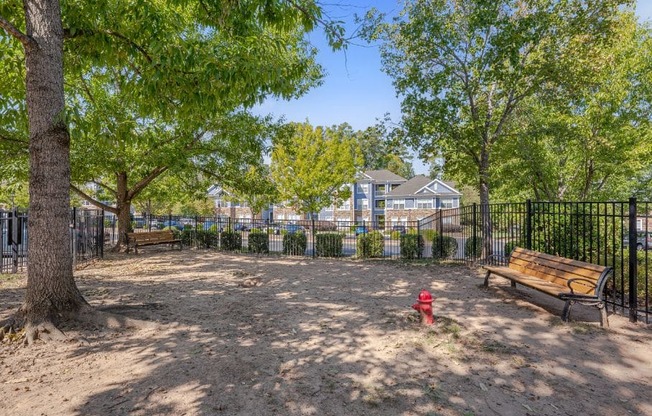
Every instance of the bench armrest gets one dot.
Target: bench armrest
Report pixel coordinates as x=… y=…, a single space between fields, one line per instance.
x=569 y=281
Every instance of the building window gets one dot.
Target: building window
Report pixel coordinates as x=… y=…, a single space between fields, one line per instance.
x=380 y=189
x=345 y=205
x=363 y=188
x=425 y=204
x=380 y=203
x=362 y=204
x=398 y=204
x=446 y=203
x=639 y=224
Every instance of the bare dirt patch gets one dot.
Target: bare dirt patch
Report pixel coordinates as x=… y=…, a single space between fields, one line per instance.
x=240 y=335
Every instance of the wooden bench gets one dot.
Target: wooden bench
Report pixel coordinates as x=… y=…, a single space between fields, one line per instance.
x=151 y=238
x=569 y=280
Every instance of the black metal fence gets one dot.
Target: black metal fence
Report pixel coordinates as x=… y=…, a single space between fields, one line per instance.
x=617 y=234
x=86 y=238
x=362 y=239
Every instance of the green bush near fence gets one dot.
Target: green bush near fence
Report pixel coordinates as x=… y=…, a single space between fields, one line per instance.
x=511 y=245
x=395 y=235
x=231 y=240
x=370 y=245
x=428 y=234
x=473 y=247
x=258 y=242
x=644 y=268
x=443 y=247
x=295 y=244
x=329 y=245
x=412 y=246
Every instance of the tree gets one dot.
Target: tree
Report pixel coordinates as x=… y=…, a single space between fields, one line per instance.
x=255 y=187
x=464 y=67
x=313 y=166
x=379 y=151
x=154 y=40
x=588 y=141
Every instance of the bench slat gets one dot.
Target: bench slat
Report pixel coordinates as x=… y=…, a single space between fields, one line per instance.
x=556 y=275
x=522 y=252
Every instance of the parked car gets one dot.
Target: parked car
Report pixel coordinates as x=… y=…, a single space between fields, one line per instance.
x=361 y=229
x=293 y=228
x=643 y=241
x=400 y=228
x=241 y=227
x=171 y=224
x=139 y=222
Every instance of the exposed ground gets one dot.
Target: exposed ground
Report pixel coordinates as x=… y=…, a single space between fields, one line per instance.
x=242 y=335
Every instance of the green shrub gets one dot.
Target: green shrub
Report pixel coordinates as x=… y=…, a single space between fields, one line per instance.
x=258 y=242
x=256 y=230
x=395 y=235
x=329 y=245
x=187 y=227
x=511 y=245
x=644 y=270
x=411 y=246
x=295 y=243
x=231 y=241
x=443 y=247
x=370 y=245
x=428 y=234
x=473 y=247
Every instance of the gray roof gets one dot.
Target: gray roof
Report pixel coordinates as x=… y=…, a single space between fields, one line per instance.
x=384 y=175
x=412 y=186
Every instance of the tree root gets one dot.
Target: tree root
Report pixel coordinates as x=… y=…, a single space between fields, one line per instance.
x=18 y=329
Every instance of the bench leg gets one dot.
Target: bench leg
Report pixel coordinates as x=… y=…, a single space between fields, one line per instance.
x=486 y=279
x=565 y=315
x=513 y=283
x=604 y=320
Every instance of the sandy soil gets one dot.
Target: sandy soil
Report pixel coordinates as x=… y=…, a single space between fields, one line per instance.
x=241 y=335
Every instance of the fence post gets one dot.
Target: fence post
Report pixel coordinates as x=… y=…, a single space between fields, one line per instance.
x=101 y=236
x=312 y=229
x=528 y=224
x=474 y=231
x=440 y=236
x=14 y=239
x=419 y=238
x=633 y=263
x=74 y=237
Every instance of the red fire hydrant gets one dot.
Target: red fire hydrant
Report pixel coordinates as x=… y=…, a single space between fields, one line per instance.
x=424 y=306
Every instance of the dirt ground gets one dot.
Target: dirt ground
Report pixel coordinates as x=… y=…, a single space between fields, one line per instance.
x=243 y=335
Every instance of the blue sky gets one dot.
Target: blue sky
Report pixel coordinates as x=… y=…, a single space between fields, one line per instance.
x=355 y=90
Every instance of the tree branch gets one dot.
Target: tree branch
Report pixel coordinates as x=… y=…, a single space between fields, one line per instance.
x=145 y=181
x=27 y=41
x=68 y=34
x=94 y=201
x=106 y=187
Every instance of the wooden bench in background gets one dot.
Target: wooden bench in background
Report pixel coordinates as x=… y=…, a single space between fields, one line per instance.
x=151 y=238
x=569 y=280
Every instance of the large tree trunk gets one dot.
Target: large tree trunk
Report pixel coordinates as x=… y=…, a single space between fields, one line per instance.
x=123 y=205
x=51 y=290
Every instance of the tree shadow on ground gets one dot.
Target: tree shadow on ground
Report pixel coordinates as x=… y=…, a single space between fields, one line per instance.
x=329 y=337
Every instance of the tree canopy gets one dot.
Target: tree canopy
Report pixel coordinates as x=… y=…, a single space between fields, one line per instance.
x=463 y=68
x=313 y=166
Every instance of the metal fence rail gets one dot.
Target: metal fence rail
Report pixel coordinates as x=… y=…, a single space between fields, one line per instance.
x=86 y=241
